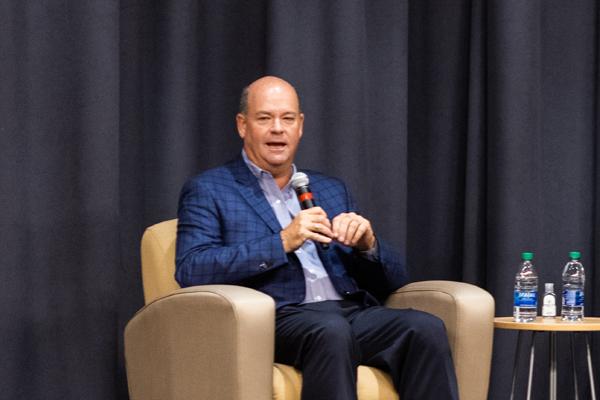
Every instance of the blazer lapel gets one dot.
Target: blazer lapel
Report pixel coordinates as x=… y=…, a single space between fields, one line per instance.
x=252 y=193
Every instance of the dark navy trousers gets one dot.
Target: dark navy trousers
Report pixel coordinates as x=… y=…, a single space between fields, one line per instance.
x=328 y=340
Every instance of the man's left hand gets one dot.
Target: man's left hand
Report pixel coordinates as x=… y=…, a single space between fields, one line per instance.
x=353 y=230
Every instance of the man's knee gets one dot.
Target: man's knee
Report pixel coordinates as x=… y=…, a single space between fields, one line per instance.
x=333 y=330
x=334 y=335
x=428 y=329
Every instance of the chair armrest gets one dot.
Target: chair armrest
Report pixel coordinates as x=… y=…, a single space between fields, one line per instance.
x=468 y=313
x=202 y=342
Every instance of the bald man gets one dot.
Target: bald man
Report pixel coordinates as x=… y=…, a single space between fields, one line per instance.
x=242 y=224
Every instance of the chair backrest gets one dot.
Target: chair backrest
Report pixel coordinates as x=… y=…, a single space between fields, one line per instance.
x=158 y=260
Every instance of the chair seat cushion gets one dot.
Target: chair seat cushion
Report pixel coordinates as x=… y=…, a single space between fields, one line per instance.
x=373 y=384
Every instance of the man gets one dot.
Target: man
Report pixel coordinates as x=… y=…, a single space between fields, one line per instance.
x=241 y=224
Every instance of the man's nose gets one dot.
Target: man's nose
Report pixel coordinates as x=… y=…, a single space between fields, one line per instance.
x=277 y=126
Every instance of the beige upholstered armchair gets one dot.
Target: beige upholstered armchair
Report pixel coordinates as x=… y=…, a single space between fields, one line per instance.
x=215 y=342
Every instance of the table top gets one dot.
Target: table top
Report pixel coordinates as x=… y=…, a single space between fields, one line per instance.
x=549 y=324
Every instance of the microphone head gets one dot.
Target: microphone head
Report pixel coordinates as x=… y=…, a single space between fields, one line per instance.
x=299 y=179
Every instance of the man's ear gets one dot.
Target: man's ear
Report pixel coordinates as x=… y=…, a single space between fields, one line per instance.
x=240 y=120
x=301 y=122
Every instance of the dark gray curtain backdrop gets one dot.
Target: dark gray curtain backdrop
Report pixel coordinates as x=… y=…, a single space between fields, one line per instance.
x=467 y=131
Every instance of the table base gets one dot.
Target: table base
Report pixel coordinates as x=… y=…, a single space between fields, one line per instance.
x=552 y=366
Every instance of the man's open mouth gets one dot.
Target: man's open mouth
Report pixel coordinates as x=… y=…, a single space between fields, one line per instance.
x=276 y=145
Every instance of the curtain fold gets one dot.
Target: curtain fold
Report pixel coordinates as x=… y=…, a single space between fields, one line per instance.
x=466 y=130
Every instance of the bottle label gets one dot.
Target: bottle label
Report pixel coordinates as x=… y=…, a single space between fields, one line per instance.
x=572 y=298
x=525 y=299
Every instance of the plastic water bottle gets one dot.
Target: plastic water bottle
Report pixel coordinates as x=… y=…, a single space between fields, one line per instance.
x=549 y=301
x=526 y=286
x=573 y=278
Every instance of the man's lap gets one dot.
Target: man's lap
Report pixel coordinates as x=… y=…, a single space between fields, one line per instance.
x=373 y=329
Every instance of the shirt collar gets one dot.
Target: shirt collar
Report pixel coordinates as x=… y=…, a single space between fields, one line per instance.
x=260 y=173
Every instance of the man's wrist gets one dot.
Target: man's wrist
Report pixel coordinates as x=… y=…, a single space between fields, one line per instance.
x=284 y=241
x=372 y=253
x=369 y=245
x=287 y=242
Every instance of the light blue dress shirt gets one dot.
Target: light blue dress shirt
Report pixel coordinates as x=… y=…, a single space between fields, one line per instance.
x=285 y=204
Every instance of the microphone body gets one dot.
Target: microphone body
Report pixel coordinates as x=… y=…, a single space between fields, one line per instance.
x=305 y=197
x=299 y=182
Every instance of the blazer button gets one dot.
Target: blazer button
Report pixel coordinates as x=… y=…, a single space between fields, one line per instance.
x=263 y=266
x=347 y=293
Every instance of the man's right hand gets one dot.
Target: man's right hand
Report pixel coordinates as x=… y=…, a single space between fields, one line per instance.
x=309 y=224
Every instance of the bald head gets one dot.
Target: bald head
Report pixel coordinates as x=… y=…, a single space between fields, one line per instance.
x=266 y=83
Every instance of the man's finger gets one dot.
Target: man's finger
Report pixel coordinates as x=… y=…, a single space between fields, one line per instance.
x=314 y=211
x=342 y=229
x=321 y=229
x=322 y=220
x=317 y=232
x=319 y=238
x=353 y=225
x=360 y=231
x=319 y=225
x=335 y=225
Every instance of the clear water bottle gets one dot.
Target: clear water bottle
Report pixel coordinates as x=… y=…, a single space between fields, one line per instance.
x=526 y=287
x=549 y=301
x=573 y=278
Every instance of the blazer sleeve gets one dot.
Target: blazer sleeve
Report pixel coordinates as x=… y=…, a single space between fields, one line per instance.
x=202 y=256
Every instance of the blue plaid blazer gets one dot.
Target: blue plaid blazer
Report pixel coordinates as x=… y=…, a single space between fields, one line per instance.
x=228 y=234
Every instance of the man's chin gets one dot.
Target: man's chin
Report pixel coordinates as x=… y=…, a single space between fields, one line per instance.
x=278 y=166
x=279 y=160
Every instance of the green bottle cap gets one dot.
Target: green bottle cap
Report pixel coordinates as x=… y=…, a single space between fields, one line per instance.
x=575 y=255
x=527 y=256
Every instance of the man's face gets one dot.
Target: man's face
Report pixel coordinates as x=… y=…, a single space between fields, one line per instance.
x=272 y=127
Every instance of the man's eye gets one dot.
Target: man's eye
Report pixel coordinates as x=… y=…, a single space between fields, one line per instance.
x=289 y=119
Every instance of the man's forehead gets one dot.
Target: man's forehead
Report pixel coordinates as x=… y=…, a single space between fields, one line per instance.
x=272 y=91
x=275 y=99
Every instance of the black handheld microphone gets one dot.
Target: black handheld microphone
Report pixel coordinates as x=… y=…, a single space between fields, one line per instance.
x=299 y=182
